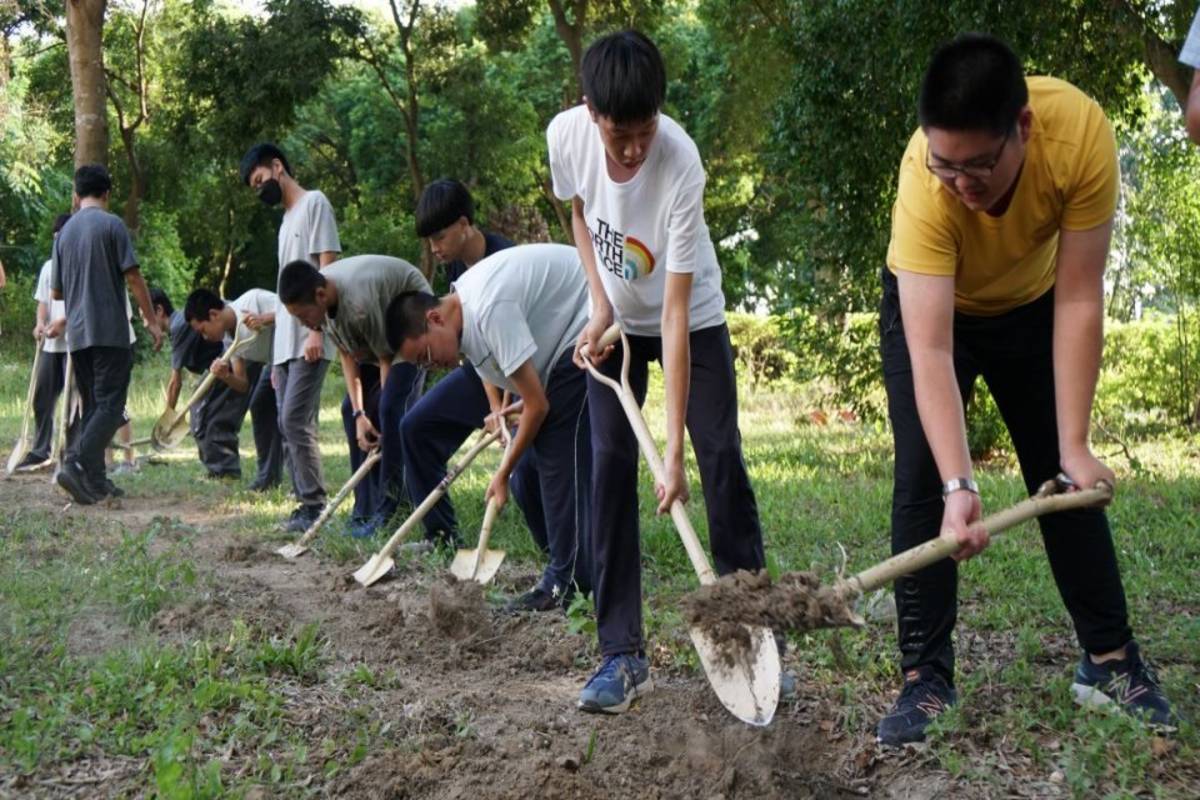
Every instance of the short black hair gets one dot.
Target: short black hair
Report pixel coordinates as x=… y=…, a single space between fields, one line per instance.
x=200 y=304
x=92 y=180
x=973 y=83
x=441 y=205
x=261 y=155
x=159 y=298
x=405 y=317
x=59 y=222
x=298 y=283
x=623 y=77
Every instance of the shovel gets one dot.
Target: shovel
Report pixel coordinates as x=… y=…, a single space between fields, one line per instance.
x=70 y=401
x=300 y=546
x=797 y=602
x=749 y=686
x=171 y=427
x=21 y=448
x=479 y=564
x=381 y=563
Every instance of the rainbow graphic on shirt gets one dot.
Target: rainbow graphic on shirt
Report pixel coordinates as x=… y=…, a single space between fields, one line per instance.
x=639 y=261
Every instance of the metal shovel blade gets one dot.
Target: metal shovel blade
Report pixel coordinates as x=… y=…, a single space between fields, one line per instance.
x=169 y=430
x=374 y=569
x=748 y=688
x=20 y=450
x=473 y=565
x=292 y=550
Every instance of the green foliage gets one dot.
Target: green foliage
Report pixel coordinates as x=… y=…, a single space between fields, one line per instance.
x=1149 y=377
x=160 y=254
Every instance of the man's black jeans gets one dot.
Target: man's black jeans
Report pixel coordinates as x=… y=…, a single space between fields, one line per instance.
x=1013 y=353
x=102 y=375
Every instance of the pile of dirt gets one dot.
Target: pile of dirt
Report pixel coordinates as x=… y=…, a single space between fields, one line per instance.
x=242 y=553
x=796 y=602
x=457 y=610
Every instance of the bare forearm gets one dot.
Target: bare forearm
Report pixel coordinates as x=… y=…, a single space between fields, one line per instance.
x=583 y=243
x=1078 y=344
x=173 y=387
x=141 y=295
x=353 y=380
x=677 y=375
x=939 y=405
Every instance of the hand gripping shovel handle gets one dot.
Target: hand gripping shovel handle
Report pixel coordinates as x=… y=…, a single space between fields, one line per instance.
x=1047 y=500
x=301 y=544
x=165 y=431
x=379 y=564
x=691 y=543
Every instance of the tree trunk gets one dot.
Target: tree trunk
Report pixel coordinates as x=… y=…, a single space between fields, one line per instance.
x=571 y=33
x=85 y=25
x=1161 y=56
x=137 y=184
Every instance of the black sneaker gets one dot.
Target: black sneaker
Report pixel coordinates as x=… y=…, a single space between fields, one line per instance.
x=33 y=462
x=925 y=695
x=302 y=518
x=536 y=599
x=71 y=478
x=1128 y=684
x=112 y=490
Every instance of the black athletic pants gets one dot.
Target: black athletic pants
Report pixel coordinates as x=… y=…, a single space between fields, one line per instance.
x=733 y=527
x=1013 y=353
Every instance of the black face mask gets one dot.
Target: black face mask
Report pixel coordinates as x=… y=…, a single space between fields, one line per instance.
x=270 y=192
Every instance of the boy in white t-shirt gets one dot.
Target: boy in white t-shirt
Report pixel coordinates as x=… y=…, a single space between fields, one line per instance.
x=247 y=375
x=636 y=186
x=515 y=316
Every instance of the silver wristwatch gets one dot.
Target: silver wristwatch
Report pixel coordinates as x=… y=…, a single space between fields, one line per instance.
x=959 y=484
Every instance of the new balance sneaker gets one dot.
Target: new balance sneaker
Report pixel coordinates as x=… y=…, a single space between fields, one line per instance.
x=620 y=680
x=1128 y=684
x=71 y=478
x=926 y=694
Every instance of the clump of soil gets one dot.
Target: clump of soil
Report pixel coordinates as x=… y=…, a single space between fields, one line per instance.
x=796 y=602
x=457 y=610
x=241 y=553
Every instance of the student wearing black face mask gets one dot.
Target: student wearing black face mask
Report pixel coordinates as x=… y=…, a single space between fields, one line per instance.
x=301 y=356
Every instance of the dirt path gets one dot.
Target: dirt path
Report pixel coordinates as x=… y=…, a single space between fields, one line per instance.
x=481 y=704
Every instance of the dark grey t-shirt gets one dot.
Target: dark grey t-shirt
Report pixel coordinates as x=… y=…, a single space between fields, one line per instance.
x=189 y=350
x=91 y=255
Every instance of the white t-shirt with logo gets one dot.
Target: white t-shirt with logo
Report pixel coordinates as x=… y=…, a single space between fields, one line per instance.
x=522 y=303
x=56 y=310
x=255 y=301
x=308 y=229
x=645 y=227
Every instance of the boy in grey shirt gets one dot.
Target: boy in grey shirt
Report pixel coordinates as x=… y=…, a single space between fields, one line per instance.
x=347 y=301
x=93 y=262
x=301 y=356
x=516 y=316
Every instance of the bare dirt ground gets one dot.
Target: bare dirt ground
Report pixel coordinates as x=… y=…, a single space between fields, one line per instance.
x=482 y=704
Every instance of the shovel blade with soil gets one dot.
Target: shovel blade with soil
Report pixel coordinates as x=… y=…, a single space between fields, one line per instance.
x=743 y=669
x=798 y=601
x=300 y=546
x=380 y=564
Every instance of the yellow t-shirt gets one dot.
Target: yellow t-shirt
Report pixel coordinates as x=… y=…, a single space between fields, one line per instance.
x=1070 y=180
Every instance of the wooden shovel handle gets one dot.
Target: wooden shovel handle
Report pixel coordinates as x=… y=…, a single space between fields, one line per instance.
x=921 y=556
x=370 y=461
x=691 y=542
x=438 y=491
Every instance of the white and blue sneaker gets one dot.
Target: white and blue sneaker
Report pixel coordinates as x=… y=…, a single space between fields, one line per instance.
x=620 y=680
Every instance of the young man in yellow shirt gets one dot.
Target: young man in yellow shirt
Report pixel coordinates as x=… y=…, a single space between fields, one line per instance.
x=1000 y=233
